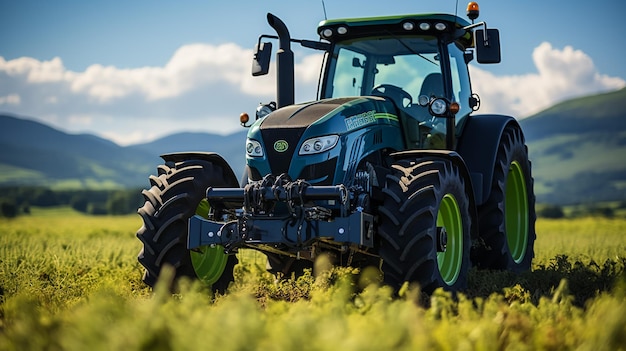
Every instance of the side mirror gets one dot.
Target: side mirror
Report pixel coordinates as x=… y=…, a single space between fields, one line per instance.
x=487 y=47
x=261 y=60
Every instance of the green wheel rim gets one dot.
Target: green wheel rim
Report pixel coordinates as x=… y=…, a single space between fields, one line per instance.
x=451 y=260
x=516 y=212
x=209 y=262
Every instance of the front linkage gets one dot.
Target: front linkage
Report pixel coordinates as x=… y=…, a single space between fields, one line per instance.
x=279 y=215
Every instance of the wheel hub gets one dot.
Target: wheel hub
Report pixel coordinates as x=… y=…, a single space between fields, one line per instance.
x=442 y=239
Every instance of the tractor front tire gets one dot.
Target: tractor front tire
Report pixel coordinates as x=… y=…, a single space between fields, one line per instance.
x=425 y=225
x=507 y=218
x=176 y=194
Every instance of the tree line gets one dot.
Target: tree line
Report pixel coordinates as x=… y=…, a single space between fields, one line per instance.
x=16 y=201
x=606 y=210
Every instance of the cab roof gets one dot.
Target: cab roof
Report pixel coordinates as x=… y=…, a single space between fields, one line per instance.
x=416 y=24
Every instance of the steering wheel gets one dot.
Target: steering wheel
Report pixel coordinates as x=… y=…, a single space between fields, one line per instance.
x=398 y=95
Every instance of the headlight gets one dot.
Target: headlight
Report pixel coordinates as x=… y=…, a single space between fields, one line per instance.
x=319 y=144
x=439 y=107
x=254 y=148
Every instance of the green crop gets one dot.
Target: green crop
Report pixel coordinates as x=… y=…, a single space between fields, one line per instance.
x=72 y=282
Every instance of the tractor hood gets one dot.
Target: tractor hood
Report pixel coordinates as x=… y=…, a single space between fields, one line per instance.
x=353 y=111
x=303 y=115
x=282 y=133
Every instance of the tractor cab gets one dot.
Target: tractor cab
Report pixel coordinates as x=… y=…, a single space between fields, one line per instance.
x=409 y=70
x=419 y=62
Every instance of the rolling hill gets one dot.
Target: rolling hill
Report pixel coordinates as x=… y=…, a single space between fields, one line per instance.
x=33 y=153
x=231 y=147
x=36 y=154
x=578 y=150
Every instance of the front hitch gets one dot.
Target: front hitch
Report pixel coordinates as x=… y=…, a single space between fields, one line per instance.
x=277 y=211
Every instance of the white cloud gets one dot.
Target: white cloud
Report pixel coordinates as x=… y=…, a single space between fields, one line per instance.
x=201 y=87
x=205 y=87
x=11 y=99
x=191 y=67
x=84 y=120
x=561 y=75
x=307 y=75
x=130 y=137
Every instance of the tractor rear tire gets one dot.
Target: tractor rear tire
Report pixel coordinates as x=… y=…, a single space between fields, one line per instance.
x=507 y=218
x=175 y=195
x=421 y=197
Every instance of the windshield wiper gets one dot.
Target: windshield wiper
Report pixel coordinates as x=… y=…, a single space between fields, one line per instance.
x=411 y=49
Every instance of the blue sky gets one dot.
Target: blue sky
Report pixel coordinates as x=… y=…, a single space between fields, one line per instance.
x=136 y=70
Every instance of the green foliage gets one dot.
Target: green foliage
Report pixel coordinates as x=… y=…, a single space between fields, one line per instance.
x=123 y=202
x=71 y=282
x=96 y=209
x=99 y=202
x=594 y=211
x=79 y=202
x=8 y=208
x=550 y=211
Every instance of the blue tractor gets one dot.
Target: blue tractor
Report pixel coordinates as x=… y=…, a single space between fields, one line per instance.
x=390 y=167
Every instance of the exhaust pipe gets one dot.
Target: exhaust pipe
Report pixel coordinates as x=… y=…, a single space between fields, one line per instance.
x=284 y=62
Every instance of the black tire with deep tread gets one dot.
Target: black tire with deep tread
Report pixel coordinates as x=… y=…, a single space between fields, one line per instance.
x=174 y=195
x=493 y=251
x=408 y=222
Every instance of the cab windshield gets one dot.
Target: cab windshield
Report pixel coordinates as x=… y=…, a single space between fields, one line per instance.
x=402 y=69
x=356 y=67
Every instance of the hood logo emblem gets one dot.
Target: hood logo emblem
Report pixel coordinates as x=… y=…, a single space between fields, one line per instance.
x=281 y=146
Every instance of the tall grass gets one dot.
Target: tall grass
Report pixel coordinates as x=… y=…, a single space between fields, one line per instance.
x=72 y=282
x=585 y=239
x=59 y=256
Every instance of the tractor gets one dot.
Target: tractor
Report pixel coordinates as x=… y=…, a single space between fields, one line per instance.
x=389 y=167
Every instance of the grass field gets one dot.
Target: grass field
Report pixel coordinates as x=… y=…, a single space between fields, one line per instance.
x=72 y=282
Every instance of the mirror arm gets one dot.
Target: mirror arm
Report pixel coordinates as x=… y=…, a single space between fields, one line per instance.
x=311 y=44
x=484 y=24
x=261 y=37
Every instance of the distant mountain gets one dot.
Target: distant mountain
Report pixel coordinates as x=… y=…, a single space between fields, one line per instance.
x=578 y=149
x=231 y=147
x=32 y=153
x=35 y=154
x=586 y=115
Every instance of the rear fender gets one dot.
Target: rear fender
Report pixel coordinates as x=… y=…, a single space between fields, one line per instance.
x=478 y=146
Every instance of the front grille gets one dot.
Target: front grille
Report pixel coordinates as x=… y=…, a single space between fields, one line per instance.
x=280 y=161
x=323 y=170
